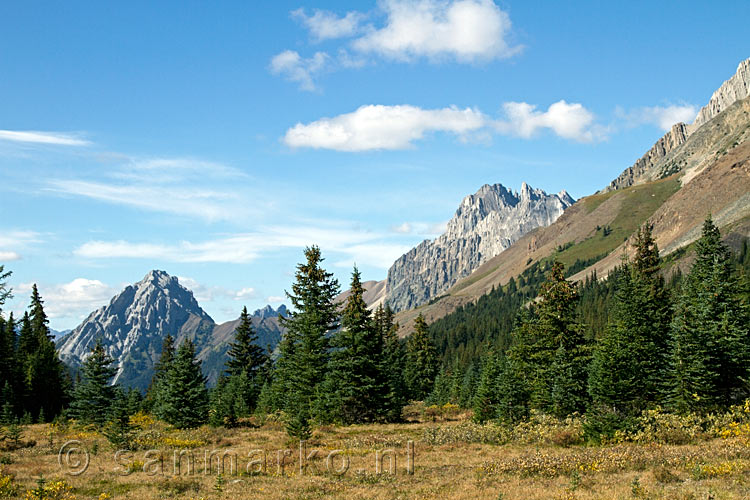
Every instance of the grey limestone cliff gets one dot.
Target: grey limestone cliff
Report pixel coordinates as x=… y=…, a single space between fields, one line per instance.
x=485 y=224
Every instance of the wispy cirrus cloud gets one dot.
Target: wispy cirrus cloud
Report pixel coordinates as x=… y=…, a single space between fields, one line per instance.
x=361 y=246
x=39 y=137
x=14 y=241
x=180 y=186
x=381 y=127
x=420 y=228
x=210 y=293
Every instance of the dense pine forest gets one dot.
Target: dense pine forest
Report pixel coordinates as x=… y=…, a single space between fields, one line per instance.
x=605 y=348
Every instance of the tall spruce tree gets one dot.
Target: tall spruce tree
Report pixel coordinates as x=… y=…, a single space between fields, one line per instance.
x=303 y=352
x=157 y=389
x=5 y=292
x=630 y=361
x=8 y=363
x=392 y=363
x=245 y=355
x=486 y=397
x=185 y=402
x=236 y=393
x=94 y=394
x=421 y=361
x=709 y=337
x=46 y=382
x=355 y=386
x=550 y=347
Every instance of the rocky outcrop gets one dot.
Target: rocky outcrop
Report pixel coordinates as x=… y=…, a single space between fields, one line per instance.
x=134 y=324
x=484 y=225
x=655 y=164
x=643 y=169
x=731 y=91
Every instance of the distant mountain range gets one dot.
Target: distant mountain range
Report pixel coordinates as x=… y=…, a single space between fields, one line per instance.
x=692 y=171
x=134 y=324
x=695 y=170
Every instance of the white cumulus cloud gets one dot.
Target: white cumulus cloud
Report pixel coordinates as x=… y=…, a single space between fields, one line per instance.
x=569 y=121
x=375 y=127
x=381 y=127
x=661 y=116
x=295 y=68
x=324 y=25
x=37 y=137
x=73 y=300
x=464 y=30
x=245 y=293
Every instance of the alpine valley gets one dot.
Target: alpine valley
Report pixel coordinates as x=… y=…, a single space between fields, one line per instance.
x=495 y=234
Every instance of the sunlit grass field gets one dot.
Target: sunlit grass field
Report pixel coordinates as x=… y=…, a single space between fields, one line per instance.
x=452 y=458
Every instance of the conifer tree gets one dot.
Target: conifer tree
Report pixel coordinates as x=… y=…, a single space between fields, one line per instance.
x=513 y=392
x=709 y=337
x=487 y=395
x=630 y=361
x=246 y=364
x=185 y=402
x=157 y=388
x=28 y=341
x=9 y=373
x=118 y=430
x=304 y=349
x=229 y=399
x=7 y=401
x=93 y=396
x=552 y=347
x=245 y=355
x=355 y=386
x=5 y=292
x=421 y=361
x=392 y=364
x=46 y=384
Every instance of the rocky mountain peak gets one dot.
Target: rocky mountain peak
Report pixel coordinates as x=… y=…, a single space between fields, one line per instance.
x=485 y=224
x=731 y=91
x=269 y=312
x=658 y=161
x=136 y=320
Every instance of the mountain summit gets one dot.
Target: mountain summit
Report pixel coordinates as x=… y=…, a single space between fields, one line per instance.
x=485 y=224
x=134 y=324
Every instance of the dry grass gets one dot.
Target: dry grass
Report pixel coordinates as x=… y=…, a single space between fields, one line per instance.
x=457 y=468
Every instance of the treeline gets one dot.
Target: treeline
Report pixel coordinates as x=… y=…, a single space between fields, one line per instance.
x=607 y=348
x=682 y=345
x=337 y=363
x=35 y=385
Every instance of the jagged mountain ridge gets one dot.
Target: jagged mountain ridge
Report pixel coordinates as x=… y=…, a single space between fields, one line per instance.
x=133 y=325
x=485 y=224
x=657 y=163
x=708 y=173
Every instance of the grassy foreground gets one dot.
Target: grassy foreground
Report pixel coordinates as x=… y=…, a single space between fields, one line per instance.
x=452 y=459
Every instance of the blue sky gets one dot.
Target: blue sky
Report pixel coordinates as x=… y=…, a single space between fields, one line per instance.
x=216 y=140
